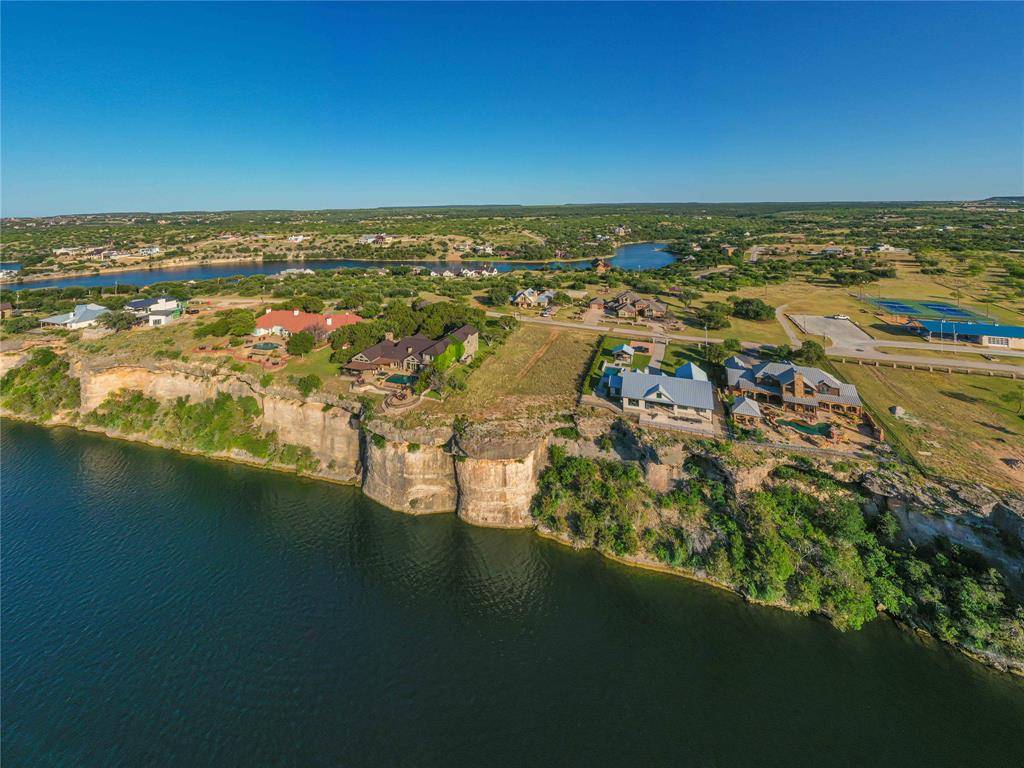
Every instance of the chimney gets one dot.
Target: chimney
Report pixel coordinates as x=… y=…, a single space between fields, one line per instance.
x=408 y=350
x=330 y=321
x=389 y=336
x=295 y=312
x=798 y=384
x=268 y=311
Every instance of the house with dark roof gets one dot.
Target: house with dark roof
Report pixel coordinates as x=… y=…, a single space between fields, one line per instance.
x=793 y=387
x=630 y=304
x=411 y=354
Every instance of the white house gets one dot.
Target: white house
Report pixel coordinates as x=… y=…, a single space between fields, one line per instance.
x=83 y=316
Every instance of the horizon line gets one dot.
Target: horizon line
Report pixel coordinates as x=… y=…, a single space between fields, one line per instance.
x=194 y=211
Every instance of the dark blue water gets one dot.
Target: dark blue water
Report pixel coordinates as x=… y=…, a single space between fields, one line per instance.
x=639 y=256
x=162 y=610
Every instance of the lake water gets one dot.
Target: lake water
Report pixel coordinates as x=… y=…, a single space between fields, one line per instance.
x=161 y=610
x=639 y=256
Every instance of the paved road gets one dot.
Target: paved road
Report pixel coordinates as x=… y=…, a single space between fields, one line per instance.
x=868 y=350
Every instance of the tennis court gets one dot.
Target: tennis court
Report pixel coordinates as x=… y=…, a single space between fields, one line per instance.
x=928 y=310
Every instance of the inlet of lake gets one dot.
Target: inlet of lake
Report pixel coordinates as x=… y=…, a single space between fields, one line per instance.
x=637 y=256
x=166 y=610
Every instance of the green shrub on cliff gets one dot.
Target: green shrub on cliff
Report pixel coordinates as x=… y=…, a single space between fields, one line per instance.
x=127 y=411
x=41 y=386
x=802 y=542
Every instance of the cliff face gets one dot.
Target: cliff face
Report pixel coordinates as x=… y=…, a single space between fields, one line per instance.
x=160 y=384
x=497 y=481
x=409 y=471
x=330 y=433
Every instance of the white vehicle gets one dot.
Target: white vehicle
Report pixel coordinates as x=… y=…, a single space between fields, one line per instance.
x=840 y=317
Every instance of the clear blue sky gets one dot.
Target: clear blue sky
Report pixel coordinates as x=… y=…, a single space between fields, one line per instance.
x=118 y=107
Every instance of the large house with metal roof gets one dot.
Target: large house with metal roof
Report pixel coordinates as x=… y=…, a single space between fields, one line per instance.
x=688 y=396
x=630 y=304
x=792 y=387
x=83 y=316
x=985 y=334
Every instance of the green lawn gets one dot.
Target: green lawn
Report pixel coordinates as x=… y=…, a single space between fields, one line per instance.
x=318 y=362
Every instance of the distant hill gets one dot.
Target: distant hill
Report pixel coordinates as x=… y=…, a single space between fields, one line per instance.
x=1005 y=199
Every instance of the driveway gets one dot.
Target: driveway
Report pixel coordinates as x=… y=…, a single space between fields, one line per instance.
x=843 y=333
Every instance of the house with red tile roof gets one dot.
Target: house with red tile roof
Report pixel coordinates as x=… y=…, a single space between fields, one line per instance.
x=285 y=322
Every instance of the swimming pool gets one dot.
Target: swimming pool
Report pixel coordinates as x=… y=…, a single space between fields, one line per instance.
x=824 y=429
x=400 y=378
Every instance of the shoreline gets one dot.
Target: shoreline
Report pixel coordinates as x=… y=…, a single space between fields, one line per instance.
x=186 y=263
x=1015 y=669
x=176 y=263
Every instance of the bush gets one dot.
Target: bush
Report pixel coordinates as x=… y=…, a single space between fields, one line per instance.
x=41 y=386
x=309 y=384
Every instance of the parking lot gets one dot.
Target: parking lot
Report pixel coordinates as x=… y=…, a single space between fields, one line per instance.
x=844 y=333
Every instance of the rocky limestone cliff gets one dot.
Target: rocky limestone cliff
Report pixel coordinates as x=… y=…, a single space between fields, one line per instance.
x=332 y=433
x=409 y=470
x=328 y=431
x=164 y=384
x=497 y=479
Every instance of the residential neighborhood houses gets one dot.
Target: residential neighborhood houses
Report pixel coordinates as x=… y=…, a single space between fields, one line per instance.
x=410 y=354
x=285 y=322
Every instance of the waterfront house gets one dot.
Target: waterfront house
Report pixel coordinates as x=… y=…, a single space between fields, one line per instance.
x=792 y=387
x=285 y=322
x=6 y=310
x=82 y=316
x=410 y=354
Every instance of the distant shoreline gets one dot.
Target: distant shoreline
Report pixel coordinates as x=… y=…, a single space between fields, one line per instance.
x=174 y=263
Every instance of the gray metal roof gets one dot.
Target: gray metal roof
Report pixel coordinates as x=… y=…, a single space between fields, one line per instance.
x=744 y=406
x=747 y=381
x=688 y=393
x=83 y=313
x=690 y=370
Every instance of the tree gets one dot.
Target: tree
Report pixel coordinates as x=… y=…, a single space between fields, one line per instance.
x=300 y=343
x=713 y=315
x=121 y=320
x=1014 y=398
x=497 y=295
x=688 y=296
x=752 y=309
x=810 y=353
x=732 y=346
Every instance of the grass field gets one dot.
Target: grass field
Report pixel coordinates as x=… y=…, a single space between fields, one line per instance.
x=318 y=362
x=948 y=354
x=536 y=372
x=955 y=424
